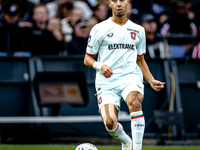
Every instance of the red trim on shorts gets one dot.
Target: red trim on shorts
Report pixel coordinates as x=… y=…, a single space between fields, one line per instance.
x=141 y=55
x=91 y=54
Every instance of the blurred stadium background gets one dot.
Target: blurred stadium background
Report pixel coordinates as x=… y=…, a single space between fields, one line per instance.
x=50 y=98
x=22 y=95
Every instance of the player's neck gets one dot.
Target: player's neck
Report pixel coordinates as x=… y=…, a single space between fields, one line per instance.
x=119 y=20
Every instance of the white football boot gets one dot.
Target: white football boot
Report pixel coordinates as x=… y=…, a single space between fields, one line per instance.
x=127 y=146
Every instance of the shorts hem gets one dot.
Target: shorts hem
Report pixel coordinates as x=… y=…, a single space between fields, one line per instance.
x=118 y=108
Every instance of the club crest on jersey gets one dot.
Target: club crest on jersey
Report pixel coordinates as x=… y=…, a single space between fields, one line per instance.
x=133 y=35
x=100 y=100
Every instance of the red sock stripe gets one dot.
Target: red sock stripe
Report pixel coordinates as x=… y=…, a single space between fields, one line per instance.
x=137 y=117
x=115 y=130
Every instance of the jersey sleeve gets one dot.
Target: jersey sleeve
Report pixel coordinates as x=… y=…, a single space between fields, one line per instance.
x=93 y=42
x=141 y=49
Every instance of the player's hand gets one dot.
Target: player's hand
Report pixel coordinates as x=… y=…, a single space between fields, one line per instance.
x=106 y=71
x=157 y=85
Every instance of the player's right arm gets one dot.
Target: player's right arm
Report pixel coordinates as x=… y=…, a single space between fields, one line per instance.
x=94 y=44
x=90 y=62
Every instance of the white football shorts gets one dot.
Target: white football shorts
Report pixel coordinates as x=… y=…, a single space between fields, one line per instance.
x=118 y=94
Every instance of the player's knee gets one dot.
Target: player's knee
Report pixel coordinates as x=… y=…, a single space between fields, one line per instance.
x=109 y=124
x=135 y=102
x=135 y=106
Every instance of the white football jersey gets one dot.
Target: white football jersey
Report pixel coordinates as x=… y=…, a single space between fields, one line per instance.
x=117 y=47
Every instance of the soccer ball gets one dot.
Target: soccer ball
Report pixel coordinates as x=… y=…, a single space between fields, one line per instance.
x=86 y=146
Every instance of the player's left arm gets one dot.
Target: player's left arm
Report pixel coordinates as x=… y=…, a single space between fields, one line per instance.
x=155 y=84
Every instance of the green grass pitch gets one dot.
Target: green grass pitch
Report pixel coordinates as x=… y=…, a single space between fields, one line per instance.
x=72 y=147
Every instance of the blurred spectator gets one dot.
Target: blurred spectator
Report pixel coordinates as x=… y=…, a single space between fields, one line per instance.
x=11 y=14
x=87 y=12
x=65 y=10
x=141 y=7
x=92 y=21
x=179 y=22
x=162 y=18
x=197 y=12
x=24 y=6
x=14 y=33
x=158 y=9
x=53 y=7
x=76 y=15
x=54 y=27
x=196 y=49
x=159 y=6
x=40 y=17
x=0 y=7
x=34 y=1
x=190 y=10
x=56 y=44
x=180 y=31
x=101 y=12
x=46 y=38
x=156 y=47
x=67 y=24
x=81 y=33
x=102 y=1
x=46 y=1
x=92 y=3
x=131 y=16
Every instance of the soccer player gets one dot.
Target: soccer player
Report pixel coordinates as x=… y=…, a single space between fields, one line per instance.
x=120 y=68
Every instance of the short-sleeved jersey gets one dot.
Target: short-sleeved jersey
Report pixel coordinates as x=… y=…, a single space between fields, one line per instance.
x=118 y=47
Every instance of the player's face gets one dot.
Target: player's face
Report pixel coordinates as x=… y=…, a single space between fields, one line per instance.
x=119 y=7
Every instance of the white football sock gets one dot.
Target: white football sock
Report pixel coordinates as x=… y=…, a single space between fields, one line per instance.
x=137 y=128
x=119 y=134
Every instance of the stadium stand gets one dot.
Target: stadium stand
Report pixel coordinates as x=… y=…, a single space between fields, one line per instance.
x=20 y=112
